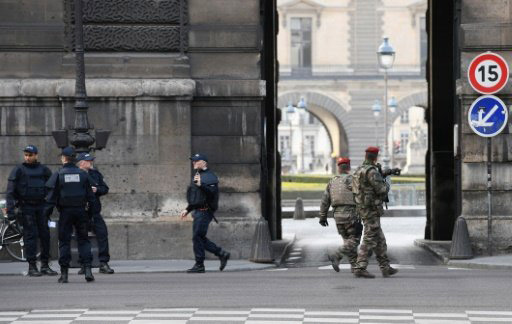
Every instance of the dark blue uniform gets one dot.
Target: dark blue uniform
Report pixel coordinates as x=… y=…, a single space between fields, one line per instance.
x=203 y=215
x=26 y=190
x=100 y=228
x=70 y=191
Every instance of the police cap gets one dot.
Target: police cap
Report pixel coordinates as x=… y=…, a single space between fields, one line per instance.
x=30 y=149
x=68 y=151
x=85 y=157
x=199 y=157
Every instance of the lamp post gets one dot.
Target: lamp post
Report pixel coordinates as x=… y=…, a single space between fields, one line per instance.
x=376 y=108
x=386 y=56
x=392 y=109
x=301 y=105
x=289 y=111
x=81 y=139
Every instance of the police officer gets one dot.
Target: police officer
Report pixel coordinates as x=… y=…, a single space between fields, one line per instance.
x=338 y=194
x=370 y=190
x=70 y=189
x=205 y=189
x=100 y=188
x=26 y=190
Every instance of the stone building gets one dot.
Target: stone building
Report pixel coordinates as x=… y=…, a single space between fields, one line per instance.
x=327 y=55
x=168 y=78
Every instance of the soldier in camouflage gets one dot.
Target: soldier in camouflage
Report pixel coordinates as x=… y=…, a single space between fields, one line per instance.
x=370 y=190
x=338 y=194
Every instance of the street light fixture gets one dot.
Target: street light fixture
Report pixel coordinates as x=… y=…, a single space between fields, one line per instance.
x=386 y=56
x=81 y=139
x=376 y=108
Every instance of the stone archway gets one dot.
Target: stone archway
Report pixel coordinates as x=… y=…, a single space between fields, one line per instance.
x=330 y=113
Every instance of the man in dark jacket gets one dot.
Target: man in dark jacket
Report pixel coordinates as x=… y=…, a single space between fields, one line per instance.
x=70 y=190
x=206 y=192
x=100 y=188
x=26 y=190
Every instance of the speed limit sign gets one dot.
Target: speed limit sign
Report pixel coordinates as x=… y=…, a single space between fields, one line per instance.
x=488 y=73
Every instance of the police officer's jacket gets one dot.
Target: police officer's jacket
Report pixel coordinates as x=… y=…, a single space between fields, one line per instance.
x=209 y=187
x=102 y=189
x=26 y=185
x=69 y=187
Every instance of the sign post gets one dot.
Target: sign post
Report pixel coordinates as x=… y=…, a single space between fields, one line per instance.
x=487 y=117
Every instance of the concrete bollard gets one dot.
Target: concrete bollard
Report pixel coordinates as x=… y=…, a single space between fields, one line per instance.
x=299 y=214
x=261 y=249
x=461 y=245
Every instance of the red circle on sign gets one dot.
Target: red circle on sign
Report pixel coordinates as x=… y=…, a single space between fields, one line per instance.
x=491 y=57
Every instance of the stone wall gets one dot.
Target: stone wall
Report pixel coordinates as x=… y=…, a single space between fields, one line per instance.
x=161 y=106
x=485 y=24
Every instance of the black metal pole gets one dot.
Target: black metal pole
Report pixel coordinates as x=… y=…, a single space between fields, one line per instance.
x=81 y=139
x=489 y=196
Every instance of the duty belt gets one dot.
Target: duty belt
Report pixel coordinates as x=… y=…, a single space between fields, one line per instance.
x=32 y=202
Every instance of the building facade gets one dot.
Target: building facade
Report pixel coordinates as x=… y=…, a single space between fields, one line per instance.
x=327 y=51
x=168 y=78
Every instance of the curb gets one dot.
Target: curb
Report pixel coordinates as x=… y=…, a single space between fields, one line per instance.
x=442 y=254
x=479 y=266
x=73 y=272
x=286 y=250
x=438 y=252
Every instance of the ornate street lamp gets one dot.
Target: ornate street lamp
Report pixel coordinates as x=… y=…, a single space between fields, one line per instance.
x=386 y=56
x=81 y=139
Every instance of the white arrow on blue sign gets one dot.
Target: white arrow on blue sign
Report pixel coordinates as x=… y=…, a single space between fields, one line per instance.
x=488 y=116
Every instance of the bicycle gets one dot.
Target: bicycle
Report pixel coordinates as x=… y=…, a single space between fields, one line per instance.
x=11 y=236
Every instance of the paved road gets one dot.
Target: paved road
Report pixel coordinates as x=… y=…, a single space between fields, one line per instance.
x=420 y=289
x=313 y=241
x=422 y=292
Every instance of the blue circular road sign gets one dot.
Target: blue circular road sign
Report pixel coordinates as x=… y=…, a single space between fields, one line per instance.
x=488 y=116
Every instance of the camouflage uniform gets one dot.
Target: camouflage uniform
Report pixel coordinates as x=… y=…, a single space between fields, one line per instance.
x=338 y=193
x=369 y=190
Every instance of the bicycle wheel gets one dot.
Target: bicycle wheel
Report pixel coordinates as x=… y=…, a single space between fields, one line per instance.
x=13 y=240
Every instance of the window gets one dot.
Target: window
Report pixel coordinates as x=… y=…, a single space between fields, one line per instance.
x=404 y=140
x=423 y=45
x=301 y=45
x=404 y=117
x=284 y=143
x=310 y=145
x=312 y=119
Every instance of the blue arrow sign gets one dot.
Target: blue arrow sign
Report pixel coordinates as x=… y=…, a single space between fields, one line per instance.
x=488 y=116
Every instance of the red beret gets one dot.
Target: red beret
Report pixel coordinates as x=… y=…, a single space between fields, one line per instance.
x=343 y=160
x=372 y=149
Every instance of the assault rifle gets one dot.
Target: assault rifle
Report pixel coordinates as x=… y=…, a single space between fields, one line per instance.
x=386 y=173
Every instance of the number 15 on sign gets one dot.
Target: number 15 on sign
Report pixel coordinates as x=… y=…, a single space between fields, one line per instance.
x=488 y=73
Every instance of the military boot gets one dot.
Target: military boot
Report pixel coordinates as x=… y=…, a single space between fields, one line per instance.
x=63 y=275
x=82 y=270
x=223 y=257
x=335 y=261
x=105 y=268
x=46 y=270
x=88 y=273
x=362 y=273
x=197 y=268
x=32 y=270
x=388 y=272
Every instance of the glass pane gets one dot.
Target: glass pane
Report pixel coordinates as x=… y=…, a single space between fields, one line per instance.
x=295 y=24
